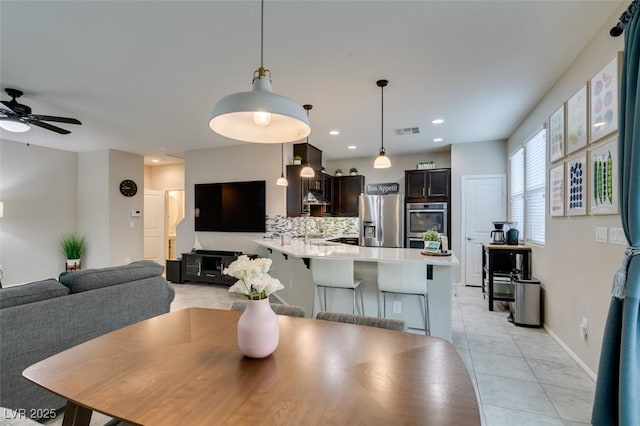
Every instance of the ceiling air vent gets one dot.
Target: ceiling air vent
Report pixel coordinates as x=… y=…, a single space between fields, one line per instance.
x=407 y=131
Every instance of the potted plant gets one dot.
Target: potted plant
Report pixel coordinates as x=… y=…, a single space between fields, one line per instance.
x=431 y=239
x=338 y=172
x=73 y=246
x=297 y=160
x=353 y=171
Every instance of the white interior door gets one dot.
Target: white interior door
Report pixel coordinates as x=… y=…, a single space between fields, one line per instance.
x=154 y=231
x=484 y=201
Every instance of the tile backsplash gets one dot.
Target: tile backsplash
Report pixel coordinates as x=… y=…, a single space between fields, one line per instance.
x=316 y=226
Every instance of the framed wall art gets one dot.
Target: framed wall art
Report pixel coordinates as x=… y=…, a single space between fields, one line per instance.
x=576 y=184
x=556 y=191
x=603 y=161
x=556 y=135
x=604 y=91
x=577 y=121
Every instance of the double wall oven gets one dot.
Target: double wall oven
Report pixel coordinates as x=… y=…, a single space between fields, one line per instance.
x=421 y=217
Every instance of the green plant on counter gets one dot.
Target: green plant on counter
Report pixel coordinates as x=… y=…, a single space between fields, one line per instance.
x=431 y=235
x=353 y=170
x=73 y=246
x=297 y=158
x=339 y=171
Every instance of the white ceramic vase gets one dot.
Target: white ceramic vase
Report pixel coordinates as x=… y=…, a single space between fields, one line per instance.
x=258 y=329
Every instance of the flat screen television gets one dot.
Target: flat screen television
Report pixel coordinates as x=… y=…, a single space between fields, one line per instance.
x=230 y=206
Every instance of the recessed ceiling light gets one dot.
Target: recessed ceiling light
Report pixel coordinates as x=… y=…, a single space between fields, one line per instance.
x=162 y=148
x=334 y=132
x=155 y=160
x=352 y=147
x=438 y=140
x=438 y=121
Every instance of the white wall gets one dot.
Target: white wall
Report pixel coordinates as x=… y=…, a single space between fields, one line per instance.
x=242 y=162
x=39 y=191
x=480 y=158
x=576 y=271
x=164 y=178
x=93 y=206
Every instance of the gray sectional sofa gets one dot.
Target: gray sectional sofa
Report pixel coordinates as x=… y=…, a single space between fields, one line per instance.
x=42 y=318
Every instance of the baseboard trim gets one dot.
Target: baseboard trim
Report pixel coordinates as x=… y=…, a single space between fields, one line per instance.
x=572 y=354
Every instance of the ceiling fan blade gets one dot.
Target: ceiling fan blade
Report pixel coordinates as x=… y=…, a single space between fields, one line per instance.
x=50 y=127
x=56 y=119
x=9 y=104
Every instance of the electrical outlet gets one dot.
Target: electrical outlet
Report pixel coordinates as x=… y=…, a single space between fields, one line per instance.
x=601 y=234
x=397 y=307
x=616 y=236
x=584 y=329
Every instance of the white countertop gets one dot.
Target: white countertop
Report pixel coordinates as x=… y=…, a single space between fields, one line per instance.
x=332 y=250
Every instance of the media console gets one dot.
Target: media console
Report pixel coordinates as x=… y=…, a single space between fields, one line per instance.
x=207 y=266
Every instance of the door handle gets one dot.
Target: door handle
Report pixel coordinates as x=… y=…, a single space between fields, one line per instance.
x=470 y=239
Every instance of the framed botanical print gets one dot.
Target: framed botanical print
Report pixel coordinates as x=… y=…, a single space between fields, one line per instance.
x=576 y=184
x=577 y=120
x=604 y=95
x=556 y=191
x=603 y=161
x=556 y=135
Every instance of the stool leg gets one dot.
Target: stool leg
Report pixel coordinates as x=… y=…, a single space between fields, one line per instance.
x=379 y=304
x=324 y=306
x=426 y=310
x=315 y=298
x=361 y=299
x=353 y=308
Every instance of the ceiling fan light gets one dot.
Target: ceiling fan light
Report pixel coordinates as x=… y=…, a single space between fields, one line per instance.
x=307 y=172
x=15 y=125
x=382 y=161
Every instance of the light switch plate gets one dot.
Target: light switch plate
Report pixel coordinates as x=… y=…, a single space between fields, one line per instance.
x=601 y=234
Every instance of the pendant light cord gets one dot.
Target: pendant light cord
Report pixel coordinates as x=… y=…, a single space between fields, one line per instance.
x=382 y=119
x=262 y=34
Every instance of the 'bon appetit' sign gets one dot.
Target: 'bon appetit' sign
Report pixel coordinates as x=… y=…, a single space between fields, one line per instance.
x=382 y=188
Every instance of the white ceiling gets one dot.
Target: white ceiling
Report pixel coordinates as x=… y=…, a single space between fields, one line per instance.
x=145 y=74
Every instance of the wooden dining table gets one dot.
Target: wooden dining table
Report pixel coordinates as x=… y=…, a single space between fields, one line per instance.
x=185 y=367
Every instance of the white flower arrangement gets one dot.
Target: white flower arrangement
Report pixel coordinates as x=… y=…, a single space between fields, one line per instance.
x=254 y=281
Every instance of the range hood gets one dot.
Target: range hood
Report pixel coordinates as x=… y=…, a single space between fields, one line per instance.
x=314 y=199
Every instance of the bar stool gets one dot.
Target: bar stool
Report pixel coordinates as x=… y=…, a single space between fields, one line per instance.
x=403 y=278
x=334 y=273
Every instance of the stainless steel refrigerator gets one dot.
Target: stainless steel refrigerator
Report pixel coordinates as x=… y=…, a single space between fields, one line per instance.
x=381 y=220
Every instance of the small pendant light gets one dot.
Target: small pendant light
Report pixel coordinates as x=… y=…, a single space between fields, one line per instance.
x=307 y=172
x=382 y=161
x=282 y=181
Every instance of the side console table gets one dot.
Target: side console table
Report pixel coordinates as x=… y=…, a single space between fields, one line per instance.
x=501 y=261
x=207 y=266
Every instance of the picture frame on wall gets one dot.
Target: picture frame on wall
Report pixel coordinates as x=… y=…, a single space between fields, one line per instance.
x=603 y=169
x=576 y=181
x=556 y=190
x=556 y=134
x=577 y=124
x=604 y=94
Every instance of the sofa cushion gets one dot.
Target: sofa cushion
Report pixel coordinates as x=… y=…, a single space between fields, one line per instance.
x=89 y=279
x=31 y=292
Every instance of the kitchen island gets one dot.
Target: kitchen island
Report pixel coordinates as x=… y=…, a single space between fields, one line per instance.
x=291 y=266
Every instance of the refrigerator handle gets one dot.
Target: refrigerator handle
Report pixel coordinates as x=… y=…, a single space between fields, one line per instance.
x=380 y=220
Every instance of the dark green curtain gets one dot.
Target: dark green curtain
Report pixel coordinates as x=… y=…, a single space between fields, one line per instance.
x=617 y=398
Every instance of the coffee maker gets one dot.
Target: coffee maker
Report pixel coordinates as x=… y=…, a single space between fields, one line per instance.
x=498 y=233
x=505 y=232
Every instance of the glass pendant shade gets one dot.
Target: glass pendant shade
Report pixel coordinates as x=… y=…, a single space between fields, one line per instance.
x=282 y=181
x=382 y=161
x=15 y=125
x=307 y=172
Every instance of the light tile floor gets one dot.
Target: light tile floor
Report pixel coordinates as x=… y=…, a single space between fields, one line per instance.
x=522 y=376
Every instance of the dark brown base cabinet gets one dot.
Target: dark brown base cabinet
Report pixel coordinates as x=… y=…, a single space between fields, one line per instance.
x=207 y=265
x=425 y=186
x=346 y=190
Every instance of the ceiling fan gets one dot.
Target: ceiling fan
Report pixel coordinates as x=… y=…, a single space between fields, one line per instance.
x=17 y=117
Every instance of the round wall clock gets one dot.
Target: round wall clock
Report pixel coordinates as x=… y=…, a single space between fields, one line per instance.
x=128 y=188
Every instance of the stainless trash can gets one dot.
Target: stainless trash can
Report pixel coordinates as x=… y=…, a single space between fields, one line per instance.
x=525 y=309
